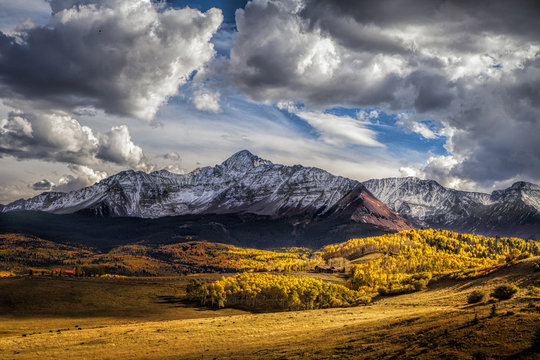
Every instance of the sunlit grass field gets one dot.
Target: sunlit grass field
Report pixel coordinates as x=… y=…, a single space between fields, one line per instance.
x=147 y=318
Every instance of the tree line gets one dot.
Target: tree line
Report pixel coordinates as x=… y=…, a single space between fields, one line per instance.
x=273 y=291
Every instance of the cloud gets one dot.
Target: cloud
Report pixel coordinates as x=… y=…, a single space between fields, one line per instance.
x=411 y=124
x=367 y=116
x=116 y=146
x=125 y=57
x=18 y=14
x=175 y=169
x=9 y=193
x=472 y=70
x=407 y=171
x=269 y=133
x=205 y=100
x=339 y=130
x=173 y=155
x=82 y=176
x=61 y=138
x=440 y=168
x=42 y=185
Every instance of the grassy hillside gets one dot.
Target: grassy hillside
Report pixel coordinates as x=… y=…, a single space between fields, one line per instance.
x=390 y=264
x=153 y=317
x=406 y=261
x=20 y=253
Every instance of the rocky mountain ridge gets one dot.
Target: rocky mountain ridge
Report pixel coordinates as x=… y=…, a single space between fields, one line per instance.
x=512 y=211
x=247 y=184
x=244 y=183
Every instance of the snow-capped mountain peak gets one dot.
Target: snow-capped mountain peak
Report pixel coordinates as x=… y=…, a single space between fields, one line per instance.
x=527 y=192
x=244 y=183
x=515 y=210
x=244 y=160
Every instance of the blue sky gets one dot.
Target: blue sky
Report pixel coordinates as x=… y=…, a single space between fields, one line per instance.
x=228 y=7
x=359 y=89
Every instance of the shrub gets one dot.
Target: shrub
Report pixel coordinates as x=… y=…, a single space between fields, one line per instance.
x=504 y=292
x=475 y=296
x=533 y=290
x=383 y=290
x=419 y=285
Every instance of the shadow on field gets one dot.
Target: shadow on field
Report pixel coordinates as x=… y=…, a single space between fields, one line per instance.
x=173 y=300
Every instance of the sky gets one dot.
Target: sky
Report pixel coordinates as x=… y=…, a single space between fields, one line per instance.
x=442 y=90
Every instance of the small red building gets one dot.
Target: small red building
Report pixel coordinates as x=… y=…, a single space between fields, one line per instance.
x=327 y=269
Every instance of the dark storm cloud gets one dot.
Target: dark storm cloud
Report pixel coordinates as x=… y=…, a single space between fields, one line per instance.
x=461 y=16
x=121 y=56
x=42 y=185
x=434 y=91
x=471 y=66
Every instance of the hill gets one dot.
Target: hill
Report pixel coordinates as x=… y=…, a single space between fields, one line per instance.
x=409 y=259
x=20 y=253
x=246 y=230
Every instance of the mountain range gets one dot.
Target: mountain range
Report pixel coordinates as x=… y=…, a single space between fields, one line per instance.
x=296 y=202
x=514 y=211
x=231 y=202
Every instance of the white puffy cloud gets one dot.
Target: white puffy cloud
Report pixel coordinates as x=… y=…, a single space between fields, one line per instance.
x=441 y=167
x=407 y=171
x=81 y=176
x=367 y=116
x=61 y=138
x=126 y=57
x=174 y=168
x=206 y=100
x=116 y=146
x=409 y=123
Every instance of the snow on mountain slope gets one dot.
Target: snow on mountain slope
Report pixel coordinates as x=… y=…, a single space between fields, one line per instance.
x=244 y=183
x=524 y=191
x=513 y=211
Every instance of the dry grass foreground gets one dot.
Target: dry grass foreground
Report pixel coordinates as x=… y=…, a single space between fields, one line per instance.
x=435 y=323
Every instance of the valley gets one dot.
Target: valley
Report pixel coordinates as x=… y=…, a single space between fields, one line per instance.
x=250 y=259
x=269 y=179
x=379 y=304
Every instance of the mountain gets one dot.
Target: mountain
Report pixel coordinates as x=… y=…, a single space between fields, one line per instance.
x=514 y=211
x=293 y=202
x=244 y=189
x=244 y=183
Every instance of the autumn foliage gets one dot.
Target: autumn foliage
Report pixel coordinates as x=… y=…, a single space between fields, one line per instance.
x=271 y=291
x=407 y=260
